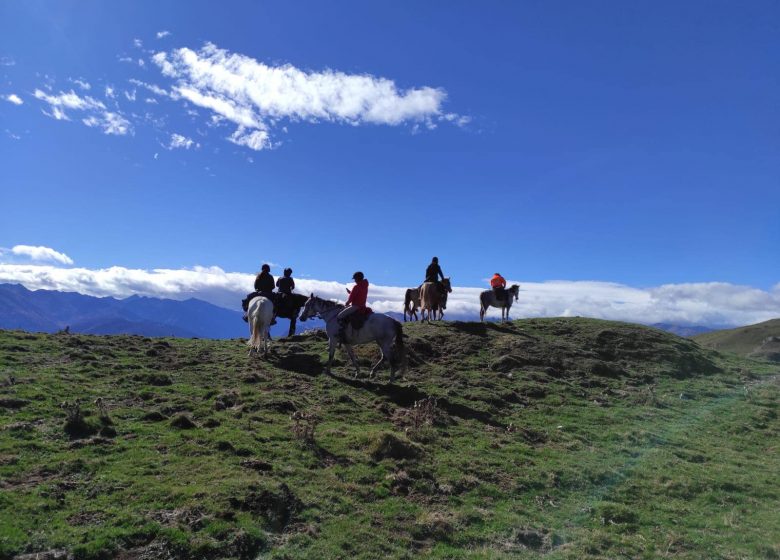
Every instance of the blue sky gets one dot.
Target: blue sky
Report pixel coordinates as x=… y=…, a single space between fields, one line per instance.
x=633 y=143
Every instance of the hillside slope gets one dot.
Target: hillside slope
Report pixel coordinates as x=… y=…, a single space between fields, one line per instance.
x=568 y=438
x=760 y=341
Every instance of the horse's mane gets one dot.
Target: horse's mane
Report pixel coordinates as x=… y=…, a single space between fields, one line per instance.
x=328 y=303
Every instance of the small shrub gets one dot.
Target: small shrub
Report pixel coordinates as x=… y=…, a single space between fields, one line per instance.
x=75 y=424
x=303 y=426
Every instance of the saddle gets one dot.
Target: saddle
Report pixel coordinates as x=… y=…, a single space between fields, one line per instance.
x=248 y=298
x=500 y=292
x=357 y=320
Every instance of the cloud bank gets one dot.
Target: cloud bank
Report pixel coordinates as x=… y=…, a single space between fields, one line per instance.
x=711 y=304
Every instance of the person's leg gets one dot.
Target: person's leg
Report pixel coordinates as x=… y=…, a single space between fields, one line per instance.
x=343 y=319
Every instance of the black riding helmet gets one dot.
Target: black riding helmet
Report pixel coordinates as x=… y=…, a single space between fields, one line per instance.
x=266 y=268
x=358 y=276
x=288 y=271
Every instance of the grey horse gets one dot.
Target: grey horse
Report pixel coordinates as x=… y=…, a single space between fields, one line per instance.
x=488 y=299
x=379 y=328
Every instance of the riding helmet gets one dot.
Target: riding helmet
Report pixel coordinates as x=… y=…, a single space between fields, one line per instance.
x=288 y=271
x=358 y=276
x=266 y=268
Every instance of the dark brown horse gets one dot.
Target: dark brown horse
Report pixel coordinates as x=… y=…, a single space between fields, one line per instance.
x=288 y=306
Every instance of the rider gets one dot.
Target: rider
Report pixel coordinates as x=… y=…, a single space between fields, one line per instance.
x=499 y=286
x=432 y=274
x=264 y=286
x=286 y=284
x=356 y=302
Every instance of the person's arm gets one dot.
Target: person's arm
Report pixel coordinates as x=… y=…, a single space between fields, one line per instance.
x=292 y=284
x=441 y=274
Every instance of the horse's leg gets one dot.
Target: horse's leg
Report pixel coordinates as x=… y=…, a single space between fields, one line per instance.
x=384 y=352
x=293 y=321
x=331 y=353
x=353 y=359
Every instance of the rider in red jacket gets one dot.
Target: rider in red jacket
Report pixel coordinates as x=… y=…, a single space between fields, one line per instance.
x=356 y=302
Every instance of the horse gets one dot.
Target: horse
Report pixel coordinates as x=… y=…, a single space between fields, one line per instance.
x=431 y=299
x=411 y=303
x=288 y=307
x=488 y=299
x=260 y=312
x=382 y=329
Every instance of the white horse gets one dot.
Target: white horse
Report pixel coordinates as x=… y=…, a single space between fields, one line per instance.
x=384 y=330
x=260 y=313
x=488 y=299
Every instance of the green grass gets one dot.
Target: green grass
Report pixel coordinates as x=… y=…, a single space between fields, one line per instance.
x=568 y=438
x=744 y=341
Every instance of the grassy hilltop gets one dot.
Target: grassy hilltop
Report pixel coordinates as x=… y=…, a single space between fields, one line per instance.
x=760 y=341
x=568 y=438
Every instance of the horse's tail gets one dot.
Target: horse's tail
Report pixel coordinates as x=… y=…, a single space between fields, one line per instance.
x=399 y=346
x=399 y=334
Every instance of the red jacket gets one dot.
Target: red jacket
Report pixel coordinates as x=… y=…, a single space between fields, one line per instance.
x=497 y=281
x=359 y=294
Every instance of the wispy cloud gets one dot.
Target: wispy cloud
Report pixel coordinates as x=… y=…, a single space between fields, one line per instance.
x=162 y=34
x=7 y=61
x=179 y=141
x=714 y=303
x=254 y=95
x=40 y=253
x=86 y=86
x=13 y=98
x=97 y=114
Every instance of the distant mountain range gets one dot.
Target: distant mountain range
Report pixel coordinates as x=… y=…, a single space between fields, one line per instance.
x=51 y=311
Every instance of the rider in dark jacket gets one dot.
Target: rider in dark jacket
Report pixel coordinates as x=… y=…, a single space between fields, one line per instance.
x=433 y=273
x=264 y=286
x=264 y=282
x=286 y=284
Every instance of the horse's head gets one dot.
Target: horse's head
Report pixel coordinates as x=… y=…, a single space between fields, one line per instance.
x=447 y=284
x=308 y=309
x=515 y=291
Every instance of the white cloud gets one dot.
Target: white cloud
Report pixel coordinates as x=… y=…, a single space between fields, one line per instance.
x=157 y=90
x=130 y=95
x=179 y=141
x=110 y=92
x=141 y=62
x=86 y=86
x=254 y=95
x=127 y=59
x=137 y=43
x=714 y=304
x=161 y=34
x=41 y=254
x=12 y=136
x=255 y=140
x=13 y=98
x=7 y=61
x=97 y=114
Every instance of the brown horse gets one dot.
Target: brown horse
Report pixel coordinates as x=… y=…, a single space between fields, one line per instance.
x=411 y=303
x=432 y=300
